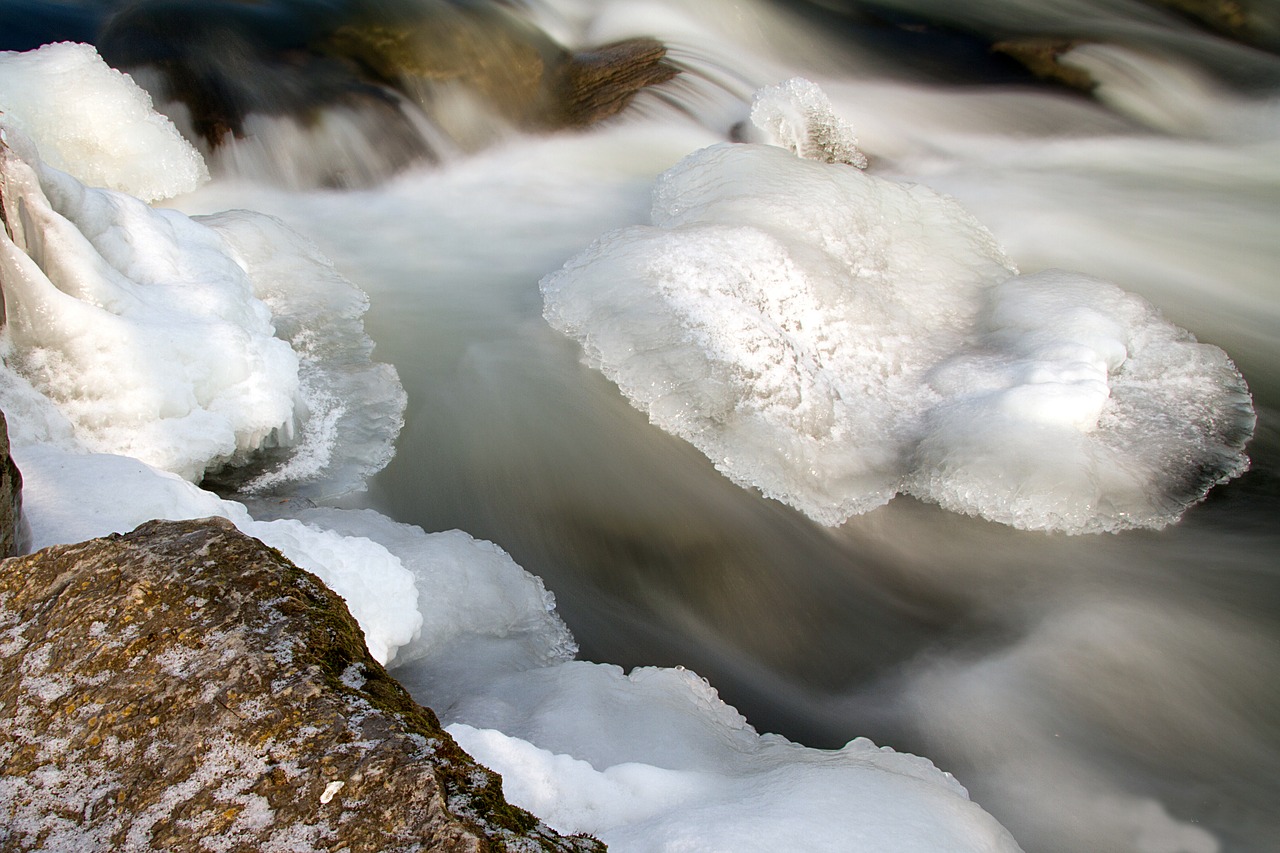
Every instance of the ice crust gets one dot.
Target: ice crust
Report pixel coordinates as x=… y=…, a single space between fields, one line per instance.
x=96 y=123
x=797 y=115
x=351 y=408
x=833 y=338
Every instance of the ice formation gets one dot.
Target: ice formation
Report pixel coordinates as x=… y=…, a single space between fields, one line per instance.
x=188 y=345
x=833 y=338
x=797 y=115
x=136 y=323
x=351 y=408
x=70 y=497
x=96 y=123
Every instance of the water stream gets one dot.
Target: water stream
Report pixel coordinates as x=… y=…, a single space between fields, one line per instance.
x=1115 y=691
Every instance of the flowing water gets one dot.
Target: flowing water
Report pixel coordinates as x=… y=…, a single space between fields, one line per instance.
x=1116 y=691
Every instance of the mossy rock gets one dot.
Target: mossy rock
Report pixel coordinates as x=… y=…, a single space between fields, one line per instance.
x=185 y=685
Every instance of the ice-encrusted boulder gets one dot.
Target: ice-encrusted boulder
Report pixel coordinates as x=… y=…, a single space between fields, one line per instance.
x=185 y=687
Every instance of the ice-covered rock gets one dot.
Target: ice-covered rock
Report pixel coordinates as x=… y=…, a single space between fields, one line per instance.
x=833 y=338
x=115 y=494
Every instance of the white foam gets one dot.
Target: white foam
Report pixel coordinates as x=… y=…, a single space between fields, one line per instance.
x=833 y=338
x=95 y=123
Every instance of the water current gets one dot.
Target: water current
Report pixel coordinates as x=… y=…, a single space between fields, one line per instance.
x=1103 y=691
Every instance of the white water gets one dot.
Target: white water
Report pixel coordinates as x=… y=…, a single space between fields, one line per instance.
x=1109 y=691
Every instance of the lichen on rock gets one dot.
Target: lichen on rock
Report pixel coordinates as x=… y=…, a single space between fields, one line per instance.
x=186 y=687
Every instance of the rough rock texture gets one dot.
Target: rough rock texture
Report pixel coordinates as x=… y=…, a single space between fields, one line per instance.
x=185 y=687
x=598 y=84
x=10 y=493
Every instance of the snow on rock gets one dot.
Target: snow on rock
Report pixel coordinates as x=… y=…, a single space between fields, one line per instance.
x=71 y=497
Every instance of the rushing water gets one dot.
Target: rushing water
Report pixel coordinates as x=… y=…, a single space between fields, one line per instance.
x=1115 y=692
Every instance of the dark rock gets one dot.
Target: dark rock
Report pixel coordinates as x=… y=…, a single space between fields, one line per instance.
x=10 y=493
x=597 y=84
x=1040 y=56
x=185 y=687
x=513 y=68
x=227 y=59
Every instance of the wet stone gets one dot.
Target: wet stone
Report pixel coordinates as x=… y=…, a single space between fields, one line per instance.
x=192 y=735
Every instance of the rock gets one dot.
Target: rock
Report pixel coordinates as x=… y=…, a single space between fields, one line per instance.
x=185 y=687
x=10 y=493
x=597 y=84
x=514 y=69
x=1041 y=57
x=1255 y=22
x=226 y=60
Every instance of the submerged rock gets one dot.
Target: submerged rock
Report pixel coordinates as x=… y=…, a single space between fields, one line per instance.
x=186 y=687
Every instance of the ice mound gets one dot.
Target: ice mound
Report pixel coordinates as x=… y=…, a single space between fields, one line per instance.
x=471 y=595
x=773 y=795
x=1079 y=408
x=646 y=760
x=832 y=339
x=189 y=345
x=95 y=123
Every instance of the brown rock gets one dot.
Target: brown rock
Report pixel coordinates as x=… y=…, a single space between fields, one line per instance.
x=185 y=687
x=1041 y=58
x=10 y=492
x=597 y=84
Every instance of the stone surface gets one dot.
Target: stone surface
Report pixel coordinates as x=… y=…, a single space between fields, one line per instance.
x=185 y=687
x=599 y=83
x=1041 y=57
x=10 y=494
